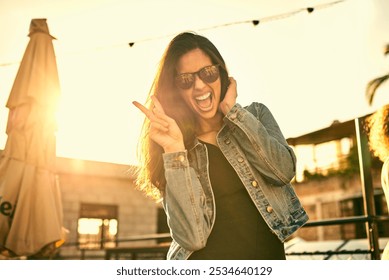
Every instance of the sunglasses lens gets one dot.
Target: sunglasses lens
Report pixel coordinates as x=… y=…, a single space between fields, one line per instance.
x=185 y=81
x=209 y=74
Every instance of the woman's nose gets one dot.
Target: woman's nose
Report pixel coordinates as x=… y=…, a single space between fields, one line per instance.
x=198 y=82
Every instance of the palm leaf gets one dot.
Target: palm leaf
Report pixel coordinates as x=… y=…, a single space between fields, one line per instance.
x=372 y=86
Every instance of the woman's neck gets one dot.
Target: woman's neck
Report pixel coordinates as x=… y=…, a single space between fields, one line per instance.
x=207 y=129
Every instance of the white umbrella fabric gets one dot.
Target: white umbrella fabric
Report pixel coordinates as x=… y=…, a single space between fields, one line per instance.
x=31 y=215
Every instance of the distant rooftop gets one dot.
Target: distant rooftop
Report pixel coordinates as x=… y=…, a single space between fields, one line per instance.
x=337 y=130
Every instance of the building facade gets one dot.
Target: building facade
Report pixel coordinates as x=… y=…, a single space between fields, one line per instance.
x=329 y=183
x=102 y=209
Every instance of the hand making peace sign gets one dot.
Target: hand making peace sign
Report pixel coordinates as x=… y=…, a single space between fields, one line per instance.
x=163 y=129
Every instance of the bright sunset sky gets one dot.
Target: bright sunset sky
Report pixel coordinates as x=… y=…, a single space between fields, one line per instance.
x=309 y=69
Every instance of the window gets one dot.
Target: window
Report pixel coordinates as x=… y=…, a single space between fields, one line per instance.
x=324 y=158
x=97 y=226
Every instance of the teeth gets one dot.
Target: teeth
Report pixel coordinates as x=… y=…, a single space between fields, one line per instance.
x=203 y=97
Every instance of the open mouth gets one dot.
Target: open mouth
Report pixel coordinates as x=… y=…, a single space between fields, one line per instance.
x=204 y=101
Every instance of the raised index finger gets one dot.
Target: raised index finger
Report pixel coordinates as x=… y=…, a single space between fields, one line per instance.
x=142 y=108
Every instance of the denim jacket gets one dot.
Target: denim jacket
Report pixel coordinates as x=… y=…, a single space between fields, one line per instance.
x=253 y=143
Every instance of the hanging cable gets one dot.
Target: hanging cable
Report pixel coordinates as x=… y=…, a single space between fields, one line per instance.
x=254 y=22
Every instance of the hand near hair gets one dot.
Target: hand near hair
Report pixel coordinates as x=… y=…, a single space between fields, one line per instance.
x=163 y=129
x=230 y=97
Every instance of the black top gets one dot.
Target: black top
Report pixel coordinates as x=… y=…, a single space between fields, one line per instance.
x=239 y=232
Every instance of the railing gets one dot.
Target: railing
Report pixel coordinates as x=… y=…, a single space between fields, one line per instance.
x=159 y=251
x=119 y=252
x=367 y=188
x=154 y=252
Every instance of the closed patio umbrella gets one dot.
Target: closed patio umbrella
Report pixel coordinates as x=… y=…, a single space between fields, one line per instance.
x=30 y=200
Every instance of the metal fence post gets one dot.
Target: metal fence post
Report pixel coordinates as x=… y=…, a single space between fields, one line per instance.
x=367 y=188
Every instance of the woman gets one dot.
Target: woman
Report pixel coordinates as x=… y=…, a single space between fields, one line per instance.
x=378 y=125
x=223 y=171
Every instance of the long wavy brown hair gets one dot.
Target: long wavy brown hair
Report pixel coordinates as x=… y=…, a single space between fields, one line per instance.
x=378 y=131
x=150 y=174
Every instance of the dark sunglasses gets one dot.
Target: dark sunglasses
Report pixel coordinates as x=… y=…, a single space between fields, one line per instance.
x=208 y=74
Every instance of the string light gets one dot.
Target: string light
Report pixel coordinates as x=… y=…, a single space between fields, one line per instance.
x=254 y=22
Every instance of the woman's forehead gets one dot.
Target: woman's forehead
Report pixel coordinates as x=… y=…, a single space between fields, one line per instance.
x=193 y=61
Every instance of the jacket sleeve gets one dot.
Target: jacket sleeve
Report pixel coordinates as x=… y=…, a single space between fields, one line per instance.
x=184 y=203
x=267 y=151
